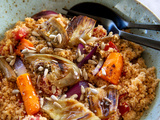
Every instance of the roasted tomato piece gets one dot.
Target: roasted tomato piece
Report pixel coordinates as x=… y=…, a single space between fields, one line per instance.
x=21 y=33
x=123 y=108
x=111 y=45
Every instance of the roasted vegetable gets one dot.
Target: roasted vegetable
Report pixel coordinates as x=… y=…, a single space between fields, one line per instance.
x=24 y=43
x=81 y=48
x=30 y=99
x=80 y=27
x=76 y=89
x=98 y=67
x=97 y=102
x=113 y=97
x=112 y=68
x=44 y=14
x=21 y=33
x=24 y=83
x=111 y=45
x=19 y=67
x=68 y=109
x=53 y=31
x=123 y=106
x=102 y=103
x=7 y=70
x=89 y=56
x=62 y=71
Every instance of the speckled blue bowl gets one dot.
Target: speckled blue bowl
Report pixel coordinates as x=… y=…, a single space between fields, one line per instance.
x=13 y=10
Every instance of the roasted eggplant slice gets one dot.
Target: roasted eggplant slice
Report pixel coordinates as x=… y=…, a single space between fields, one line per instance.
x=100 y=103
x=54 y=32
x=61 y=72
x=68 y=109
x=80 y=27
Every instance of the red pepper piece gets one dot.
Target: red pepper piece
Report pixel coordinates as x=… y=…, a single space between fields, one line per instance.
x=123 y=108
x=111 y=45
x=21 y=33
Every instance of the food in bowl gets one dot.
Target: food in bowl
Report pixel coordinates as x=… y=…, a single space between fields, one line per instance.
x=52 y=67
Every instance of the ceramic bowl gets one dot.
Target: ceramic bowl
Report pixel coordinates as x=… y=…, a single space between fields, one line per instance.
x=13 y=10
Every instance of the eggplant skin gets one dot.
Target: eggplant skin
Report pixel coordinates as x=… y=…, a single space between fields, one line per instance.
x=80 y=27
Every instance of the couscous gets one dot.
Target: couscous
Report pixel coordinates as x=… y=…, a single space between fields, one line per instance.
x=52 y=67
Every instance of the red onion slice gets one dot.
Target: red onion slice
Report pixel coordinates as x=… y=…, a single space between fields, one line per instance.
x=89 y=56
x=76 y=89
x=98 y=67
x=19 y=67
x=44 y=14
x=81 y=48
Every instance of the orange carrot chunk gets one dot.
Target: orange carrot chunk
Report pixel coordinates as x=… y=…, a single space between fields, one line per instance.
x=112 y=68
x=24 y=43
x=30 y=99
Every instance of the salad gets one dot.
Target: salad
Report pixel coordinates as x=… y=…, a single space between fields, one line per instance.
x=53 y=67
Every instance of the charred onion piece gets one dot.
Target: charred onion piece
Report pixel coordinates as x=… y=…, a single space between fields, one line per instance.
x=72 y=74
x=76 y=89
x=68 y=109
x=54 y=32
x=80 y=27
x=7 y=70
x=89 y=56
x=44 y=14
x=98 y=67
x=98 y=103
x=81 y=48
x=19 y=67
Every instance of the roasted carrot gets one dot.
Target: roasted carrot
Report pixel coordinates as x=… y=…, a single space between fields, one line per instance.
x=24 y=43
x=112 y=68
x=30 y=99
